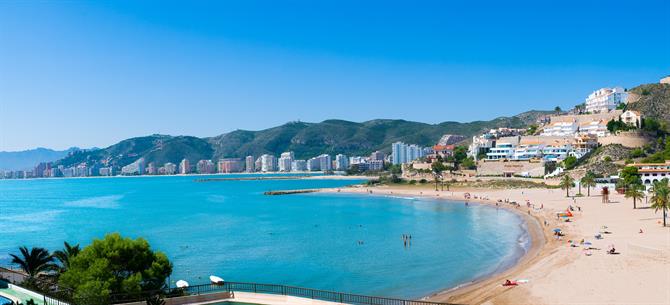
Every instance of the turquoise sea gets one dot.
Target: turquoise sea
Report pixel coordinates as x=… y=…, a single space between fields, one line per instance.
x=230 y=229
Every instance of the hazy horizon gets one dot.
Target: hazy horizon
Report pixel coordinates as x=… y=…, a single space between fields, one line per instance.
x=90 y=74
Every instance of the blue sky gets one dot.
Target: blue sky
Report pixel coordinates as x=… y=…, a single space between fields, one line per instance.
x=76 y=73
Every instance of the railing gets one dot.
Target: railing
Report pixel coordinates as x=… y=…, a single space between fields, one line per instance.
x=316 y=294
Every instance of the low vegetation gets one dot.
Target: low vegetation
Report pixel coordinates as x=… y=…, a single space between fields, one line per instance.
x=109 y=266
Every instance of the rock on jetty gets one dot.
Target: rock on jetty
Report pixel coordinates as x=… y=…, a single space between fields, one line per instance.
x=290 y=192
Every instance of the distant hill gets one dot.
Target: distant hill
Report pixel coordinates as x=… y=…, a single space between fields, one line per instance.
x=652 y=100
x=154 y=148
x=27 y=159
x=305 y=139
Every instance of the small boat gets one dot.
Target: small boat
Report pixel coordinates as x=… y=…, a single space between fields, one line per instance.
x=182 y=284
x=215 y=280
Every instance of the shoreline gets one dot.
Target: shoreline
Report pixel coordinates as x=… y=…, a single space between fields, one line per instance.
x=534 y=230
x=561 y=270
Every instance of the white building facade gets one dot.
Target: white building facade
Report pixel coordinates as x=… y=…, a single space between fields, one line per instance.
x=605 y=99
x=341 y=162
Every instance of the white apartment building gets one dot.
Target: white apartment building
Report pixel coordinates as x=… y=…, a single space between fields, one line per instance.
x=480 y=144
x=556 y=153
x=357 y=160
x=560 y=129
x=501 y=151
x=341 y=162
x=325 y=162
x=184 y=167
x=170 y=168
x=399 y=152
x=285 y=161
x=598 y=128
x=268 y=163
x=135 y=168
x=605 y=99
x=509 y=151
x=402 y=153
x=249 y=164
x=313 y=164
x=298 y=166
x=527 y=152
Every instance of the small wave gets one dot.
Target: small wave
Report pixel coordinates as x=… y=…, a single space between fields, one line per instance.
x=101 y=202
x=34 y=217
x=524 y=239
x=402 y=197
x=216 y=198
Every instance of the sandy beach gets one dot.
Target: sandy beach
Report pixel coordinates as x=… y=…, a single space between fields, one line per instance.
x=557 y=273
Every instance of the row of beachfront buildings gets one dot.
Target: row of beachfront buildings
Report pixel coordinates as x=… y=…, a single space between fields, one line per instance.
x=285 y=162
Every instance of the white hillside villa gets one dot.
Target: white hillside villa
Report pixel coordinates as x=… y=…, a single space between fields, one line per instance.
x=632 y=118
x=560 y=129
x=598 y=128
x=605 y=99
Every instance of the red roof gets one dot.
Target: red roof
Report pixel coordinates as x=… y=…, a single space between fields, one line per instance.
x=443 y=147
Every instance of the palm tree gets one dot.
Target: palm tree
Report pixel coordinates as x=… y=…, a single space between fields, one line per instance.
x=660 y=200
x=34 y=262
x=64 y=256
x=589 y=181
x=566 y=183
x=635 y=192
x=437 y=168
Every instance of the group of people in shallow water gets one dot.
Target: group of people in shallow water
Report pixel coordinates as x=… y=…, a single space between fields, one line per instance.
x=407 y=240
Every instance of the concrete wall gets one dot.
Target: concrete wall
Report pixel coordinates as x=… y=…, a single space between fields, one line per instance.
x=191 y=299
x=499 y=168
x=580 y=118
x=11 y=275
x=630 y=139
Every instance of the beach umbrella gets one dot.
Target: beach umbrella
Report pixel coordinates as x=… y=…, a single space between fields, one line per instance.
x=588 y=243
x=182 y=284
x=215 y=279
x=557 y=230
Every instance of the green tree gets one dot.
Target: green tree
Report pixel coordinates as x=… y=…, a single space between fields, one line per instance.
x=660 y=199
x=566 y=183
x=395 y=169
x=468 y=163
x=629 y=176
x=557 y=109
x=34 y=262
x=635 y=192
x=570 y=162
x=589 y=181
x=636 y=153
x=64 y=256
x=460 y=154
x=115 y=265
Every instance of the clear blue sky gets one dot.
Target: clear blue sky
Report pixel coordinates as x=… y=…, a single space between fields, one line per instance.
x=88 y=74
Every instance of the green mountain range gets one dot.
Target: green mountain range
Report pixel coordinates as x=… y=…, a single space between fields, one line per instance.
x=304 y=139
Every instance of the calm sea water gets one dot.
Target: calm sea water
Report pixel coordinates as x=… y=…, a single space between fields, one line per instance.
x=230 y=229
